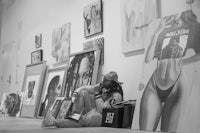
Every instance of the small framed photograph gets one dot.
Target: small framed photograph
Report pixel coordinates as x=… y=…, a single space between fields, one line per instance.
x=93 y=20
x=36 y=56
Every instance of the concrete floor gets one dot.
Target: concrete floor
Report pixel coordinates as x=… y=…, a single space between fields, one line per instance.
x=27 y=125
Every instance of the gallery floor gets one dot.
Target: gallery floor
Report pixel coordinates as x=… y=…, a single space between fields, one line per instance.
x=27 y=125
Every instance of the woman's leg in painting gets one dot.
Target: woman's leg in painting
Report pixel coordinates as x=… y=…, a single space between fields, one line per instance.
x=150 y=108
x=171 y=109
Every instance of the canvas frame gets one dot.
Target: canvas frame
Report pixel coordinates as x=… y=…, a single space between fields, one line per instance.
x=70 y=81
x=65 y=108
x=59 y=70
x=33 y=70
x=36 y=56
x=133 y=26
x=93 y=26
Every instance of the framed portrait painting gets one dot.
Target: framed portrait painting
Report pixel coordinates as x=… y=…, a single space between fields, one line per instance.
x=136 y=15
x=32 y=88
x=82 y=70
x=36 y=56
x=53 y=88
x=61 y=38
x=93 y=18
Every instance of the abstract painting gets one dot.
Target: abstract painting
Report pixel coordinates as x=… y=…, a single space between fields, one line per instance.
x=61 y=38
x=135 y=18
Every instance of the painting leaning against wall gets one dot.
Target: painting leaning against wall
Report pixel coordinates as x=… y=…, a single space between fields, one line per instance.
x=176 y=52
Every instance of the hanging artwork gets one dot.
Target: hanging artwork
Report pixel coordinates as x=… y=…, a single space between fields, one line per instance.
x=83 y=70
x=53 y=88
x=93 y=18
x=36 y=56
x=171 y=93
x=135 y=18
x=96 y=44
x=11 y=104
x=32 y=88
x=38 y=41
x=61 y=38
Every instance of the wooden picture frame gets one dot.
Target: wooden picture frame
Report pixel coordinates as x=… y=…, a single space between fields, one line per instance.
x=53 y=88
x=82 y=70
x=32 y=93
x=36 y=56
x=93 y=18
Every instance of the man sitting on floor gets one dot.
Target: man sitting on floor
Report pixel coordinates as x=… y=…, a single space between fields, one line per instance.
x=89 y=102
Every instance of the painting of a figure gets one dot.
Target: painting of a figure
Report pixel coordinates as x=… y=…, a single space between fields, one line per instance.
x=92 y=15
x=53 y=89
x=135 y=18
x=31 y=90
x=61 y=38
x=173 y=44
x=80 y=71
x=11 y=104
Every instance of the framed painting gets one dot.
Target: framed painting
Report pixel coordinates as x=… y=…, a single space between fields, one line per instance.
x=93 y=18
x=32 y=88
x=11 y=104
x=82 y=70
x=38 y=41
x=53 y=88
x=61 y=38
x=55 y=107
x=96 y=44
x=136 y=15
x=36 y=56
x=65 y=109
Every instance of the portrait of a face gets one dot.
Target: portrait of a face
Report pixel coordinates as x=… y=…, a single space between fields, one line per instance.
x=31 y=90
x=31 y=86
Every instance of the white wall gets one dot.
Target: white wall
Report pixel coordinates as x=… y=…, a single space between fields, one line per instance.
x=41 y=16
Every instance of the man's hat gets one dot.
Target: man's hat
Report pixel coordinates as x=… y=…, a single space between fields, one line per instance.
x=112 y=75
